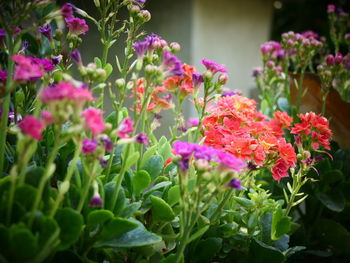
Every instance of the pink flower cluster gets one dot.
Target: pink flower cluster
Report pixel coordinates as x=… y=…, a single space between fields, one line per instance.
x=65 y=91
x=30 y=69
x=32 y=126
x=94 y=120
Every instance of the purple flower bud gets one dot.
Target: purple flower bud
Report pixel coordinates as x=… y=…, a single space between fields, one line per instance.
x=257 y=71
x=172 y=62
x=193 y=122
x=213 y=66
x=270 y=64
x=96 y=200
x=319 y=158
x=75 y=54
x=252 y=166
x=141 y=138
x=56 y=60
x=236 y=184
x=347 y=36
x=89 y=146
x=46 y=31
x=338 y=58
x=330 y=9
x=106 y=141
x=197 y=79
x=141 y=48
x=3 y=76
x=228 y=93
x=103 y=163
x=157 y=116
x=330 y=60
x=140 y=1
x=182 y=129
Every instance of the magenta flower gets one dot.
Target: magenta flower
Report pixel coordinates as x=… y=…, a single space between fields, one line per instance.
x=46 y=31
x=141 y=48
x=26 y=69
x=125 y=128
x=331 y=9
x=31 y=126
x=77 y=26
x=230 y=161
x=94 y=120
x=228 y=93
x=141 y=138
x=65 y=91
x=56 y=60
x=193 y=122
x=236 y=184
x=67 y=10
x=213 y=66
x=47 y=117
x=3 y=76
x=45 y=64
x=89 y=146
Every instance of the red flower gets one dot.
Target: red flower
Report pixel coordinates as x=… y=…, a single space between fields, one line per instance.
x=279 y=170
x=286 y=152
x=283 y=119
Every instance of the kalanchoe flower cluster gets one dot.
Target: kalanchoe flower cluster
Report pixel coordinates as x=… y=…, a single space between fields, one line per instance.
x=89 y=146
x=272 y=50
x=32 y=126
x=235 y=126
x=26 y=69
x=65 y=91
x=184 y=83
x=150 y=43
x=46 y=31
x=313 y=131
x=94 y=120
x=141 y=138
x=188 y=150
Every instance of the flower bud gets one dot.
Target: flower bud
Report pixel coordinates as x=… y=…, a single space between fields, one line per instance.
x=270 y=64
x=120 y=83
x=223 y=79
x=175 y=47
x=145 y=15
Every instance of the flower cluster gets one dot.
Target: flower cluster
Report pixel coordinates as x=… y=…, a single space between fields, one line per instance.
x=235 y=126
x=313 y=131
x=150 y=43
x=30 y=69
x=191 y=150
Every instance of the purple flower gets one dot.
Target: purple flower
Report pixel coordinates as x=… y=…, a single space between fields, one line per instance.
x=184 y=149
x=197 y=79
x=236 y=184
x=3 y=76
x=107 y=142
x=228 y=93
x=141 y=48
x=182 y=129
x=172 y=62
x=140 y=1
x=11 y=117
x=158 y=116
x=75 y=54
x=89 y=146
x=125 y=128
x=46 y=64
x=213 y=66
x=193 y=122
x=141 y=138
x=257 y=71
x=46 y=31
x=56 y=60
x=67 y=10
x=252 y=166
x=103 y=162
x=96 y=200
x=331 y=8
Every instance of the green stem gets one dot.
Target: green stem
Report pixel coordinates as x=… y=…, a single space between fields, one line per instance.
x=218 y=210
x=87 y=187
x=49 y=170
x=68 y=177
x=5 y=107
x=11 y=193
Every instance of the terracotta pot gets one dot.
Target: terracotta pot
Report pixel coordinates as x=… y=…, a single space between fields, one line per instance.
x=337 y=110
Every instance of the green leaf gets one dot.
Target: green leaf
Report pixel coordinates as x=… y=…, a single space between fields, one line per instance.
x=333 y=200
x=292 y=250
x=161 y=210
x=98 y=217
x=164 y=150
x=70 y=223
x=134 y=238
x=170 y=169
x=280 y=224
x=23 y=243
x=157 y=187
x=154 y=166
x=120 y=204
x=283 y=104
x=131 y=160
x=108 y=68
x=259 y=252
x=4 y=240
x=25 y=195
x=130 y=209
x=198 y=234
x=173 y=195
x=148 y=154
x=117 y=226
x=207 y=249
x=98 y=62
x=140 y=181
x=112 y=119
x=265 y=226
x=246 y=203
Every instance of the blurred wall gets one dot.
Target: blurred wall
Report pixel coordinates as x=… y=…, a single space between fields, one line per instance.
x=230 y=32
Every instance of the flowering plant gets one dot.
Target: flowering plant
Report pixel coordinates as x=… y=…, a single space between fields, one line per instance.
x=83 y=185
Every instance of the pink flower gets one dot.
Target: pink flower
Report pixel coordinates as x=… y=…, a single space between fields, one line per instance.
x=279 y=170
x=125 y=128
x=65 y=91
x=26 y=70
x=89 y=146
x=67 y=10
x=45 y=64
x=47 y=117
x=94 y=120
x=193 y=122
x=77 y=26
x=31 y=126
x=213 y=66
